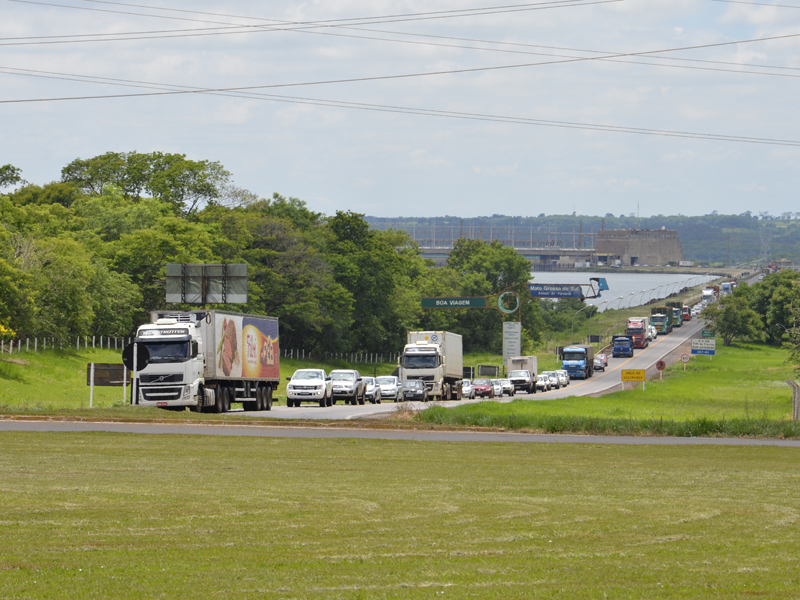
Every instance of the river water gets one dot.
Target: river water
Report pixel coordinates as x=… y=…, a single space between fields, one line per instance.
x=635 y=288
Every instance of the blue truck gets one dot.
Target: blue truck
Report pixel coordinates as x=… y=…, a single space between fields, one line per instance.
x=578 y=361
x=622 y=346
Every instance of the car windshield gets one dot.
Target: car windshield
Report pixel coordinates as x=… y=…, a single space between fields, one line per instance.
x=369 y=381
x=307 y=375
x=420 y=361
x=169 y=352
x=386 y=380
x=518 y=374
x=343 y=376
x=412 y=384
x=505 y=381
x=482 y=382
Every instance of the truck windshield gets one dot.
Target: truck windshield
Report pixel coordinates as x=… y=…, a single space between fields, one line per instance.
x=420 y=361
x=169 y=352
x=574 y=356
x=621 y=342
x=519 y=374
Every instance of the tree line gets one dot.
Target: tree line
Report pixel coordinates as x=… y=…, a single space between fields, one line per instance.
x=86 y=255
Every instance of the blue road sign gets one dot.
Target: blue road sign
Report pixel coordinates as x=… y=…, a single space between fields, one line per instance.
x=555 y=290
x=706 y=352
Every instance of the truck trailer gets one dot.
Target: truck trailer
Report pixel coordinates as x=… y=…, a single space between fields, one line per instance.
x=436 y=358
x=637 y=330
x=207 y=359
x=661 y=317
x=578 y=361
x=622 y=346
x=522 y=371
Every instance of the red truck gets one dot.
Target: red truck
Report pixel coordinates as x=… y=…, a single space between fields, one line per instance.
x=637 y=329
x=687 y=313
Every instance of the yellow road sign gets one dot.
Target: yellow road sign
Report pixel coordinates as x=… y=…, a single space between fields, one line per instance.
x=633 y=375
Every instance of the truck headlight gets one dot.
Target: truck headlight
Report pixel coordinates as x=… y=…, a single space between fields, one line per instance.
x=187 y=392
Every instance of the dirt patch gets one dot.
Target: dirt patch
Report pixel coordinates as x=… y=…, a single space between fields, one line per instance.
x=15 y=361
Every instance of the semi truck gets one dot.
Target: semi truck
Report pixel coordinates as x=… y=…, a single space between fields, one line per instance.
x=677 y=313
x=661 y=318
x=206 y=360
x=687 y=313
x=436 y=358
x=637 y=329
x=522 y=371
x=622 y=346
x=578 y=361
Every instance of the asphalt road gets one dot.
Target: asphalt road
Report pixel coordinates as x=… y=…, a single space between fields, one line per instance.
x=230 y=430
x=601 y=382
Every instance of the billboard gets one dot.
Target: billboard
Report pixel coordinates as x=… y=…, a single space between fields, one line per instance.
x=247 y=346
x=207 y=284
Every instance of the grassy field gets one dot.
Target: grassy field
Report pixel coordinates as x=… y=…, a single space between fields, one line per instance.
x=742 y=391
x=128 y=516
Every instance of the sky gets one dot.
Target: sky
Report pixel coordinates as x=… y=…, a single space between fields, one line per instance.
x=522 y=140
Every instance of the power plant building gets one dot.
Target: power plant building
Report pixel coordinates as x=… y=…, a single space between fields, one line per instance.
x=638 y=247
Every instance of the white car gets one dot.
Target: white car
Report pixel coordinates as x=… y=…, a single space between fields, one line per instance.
x=309 y=385
x=390 y=388
x=543 y=383
x=372 y=391
x=508 y=387
x=467 y=389
x=498 y=388
x=555 y=381
x=564 y=376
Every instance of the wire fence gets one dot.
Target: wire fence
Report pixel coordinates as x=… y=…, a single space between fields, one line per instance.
x=42 y=344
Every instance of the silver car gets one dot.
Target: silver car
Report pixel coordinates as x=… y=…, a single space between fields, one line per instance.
x=372 y=391
x=543 y=383
x=348 y=384
x=390 y=388
x=467 y=389
x=498 y=388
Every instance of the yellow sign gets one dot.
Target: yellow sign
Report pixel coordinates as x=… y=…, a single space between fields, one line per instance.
x=633 y=375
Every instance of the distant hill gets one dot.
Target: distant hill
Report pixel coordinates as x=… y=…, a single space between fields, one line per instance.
x=704 y=238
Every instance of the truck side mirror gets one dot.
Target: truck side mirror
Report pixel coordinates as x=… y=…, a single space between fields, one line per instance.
x=194 y=349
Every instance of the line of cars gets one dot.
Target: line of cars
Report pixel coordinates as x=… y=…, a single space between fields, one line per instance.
x=325 y=389
x=314 y=385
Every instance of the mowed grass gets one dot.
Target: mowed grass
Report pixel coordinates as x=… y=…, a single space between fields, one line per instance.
x=130 y=516
x=742 y=391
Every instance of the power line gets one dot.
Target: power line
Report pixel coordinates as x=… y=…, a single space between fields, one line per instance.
x=756 y=3
x=329 y=23
x=408 y=110
x=236 y=28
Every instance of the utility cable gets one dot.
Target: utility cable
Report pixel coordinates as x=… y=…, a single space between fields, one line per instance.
x=415 y=111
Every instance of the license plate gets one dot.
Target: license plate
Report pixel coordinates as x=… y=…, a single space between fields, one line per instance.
x=162 y=403
x=303 y=393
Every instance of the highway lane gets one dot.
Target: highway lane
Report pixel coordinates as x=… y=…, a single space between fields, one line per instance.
x=599 y=383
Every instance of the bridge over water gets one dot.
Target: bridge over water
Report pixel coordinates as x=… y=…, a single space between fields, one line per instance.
x=545 y=247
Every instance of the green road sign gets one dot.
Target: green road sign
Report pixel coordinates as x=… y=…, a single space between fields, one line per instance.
x=454 y=303
x=708 y=333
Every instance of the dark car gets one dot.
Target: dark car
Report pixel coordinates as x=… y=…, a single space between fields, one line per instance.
x=484 y=388
x=415 y=390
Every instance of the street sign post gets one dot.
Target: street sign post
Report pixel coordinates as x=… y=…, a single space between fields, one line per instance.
x=633 y=375
x=512 y=340
x=555 y=290
x=707 y=333
x=661 y=365
x=704 y=347
x=684 y=360
x=454 y=303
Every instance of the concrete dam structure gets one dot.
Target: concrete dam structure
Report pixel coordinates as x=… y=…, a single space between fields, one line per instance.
x=630 y=247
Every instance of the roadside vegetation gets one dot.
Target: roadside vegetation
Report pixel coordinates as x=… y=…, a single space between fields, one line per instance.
x=170 y=516
x=741 y=392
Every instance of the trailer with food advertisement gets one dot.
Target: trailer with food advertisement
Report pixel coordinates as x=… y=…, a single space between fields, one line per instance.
x=207 y=360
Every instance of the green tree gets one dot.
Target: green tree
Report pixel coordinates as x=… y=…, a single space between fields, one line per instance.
x=792 y=337
x=732 y=317
x=9 y=175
